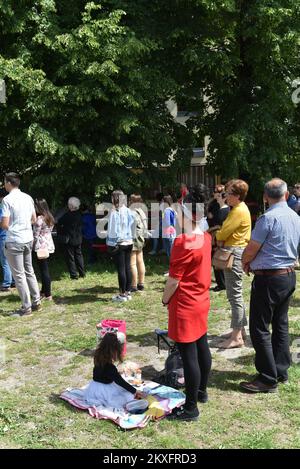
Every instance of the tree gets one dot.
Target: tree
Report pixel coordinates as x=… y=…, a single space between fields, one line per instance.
x=234 y=62
x=85 y=109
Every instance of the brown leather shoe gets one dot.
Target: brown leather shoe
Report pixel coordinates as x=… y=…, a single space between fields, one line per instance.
x=256 y=386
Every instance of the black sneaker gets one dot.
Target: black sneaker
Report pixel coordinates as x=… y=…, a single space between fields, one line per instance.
x=5 y=289
x=133 y=289
x=21 y=312
x=140 y=286
x=282 y=380
x=180 y=413
x=202 y=396
x=37 y=307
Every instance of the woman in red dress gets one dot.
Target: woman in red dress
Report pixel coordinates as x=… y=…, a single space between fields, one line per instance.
x=187 y=296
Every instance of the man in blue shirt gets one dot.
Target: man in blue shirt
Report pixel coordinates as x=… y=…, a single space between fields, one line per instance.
x=294 y=199
x=7 y=277
x=271 y=255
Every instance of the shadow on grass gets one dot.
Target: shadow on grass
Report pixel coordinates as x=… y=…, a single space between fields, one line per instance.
x=11 y=298
x=97 y=289
x=150 y=373
x=227 y=380
x=88 y=352
x=56 y=400
x=295 y=303
x=5 y=314
x=144 y=340
x=76 y=299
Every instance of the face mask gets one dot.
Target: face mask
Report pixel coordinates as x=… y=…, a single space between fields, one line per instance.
x=184 y=191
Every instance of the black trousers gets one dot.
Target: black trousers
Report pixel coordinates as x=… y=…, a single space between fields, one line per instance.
x=220 y=278
x=122 y=261
x=74 y=259
x=45 y=276
x=196 y=359
x=269 y=304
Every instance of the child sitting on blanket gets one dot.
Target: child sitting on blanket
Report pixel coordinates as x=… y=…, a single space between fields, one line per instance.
x=108 y=388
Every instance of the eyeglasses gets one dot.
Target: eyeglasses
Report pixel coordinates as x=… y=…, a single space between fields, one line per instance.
x=230 y=193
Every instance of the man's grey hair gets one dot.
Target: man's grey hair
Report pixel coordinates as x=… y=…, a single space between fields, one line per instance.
x=276 y=188
x=73 y=203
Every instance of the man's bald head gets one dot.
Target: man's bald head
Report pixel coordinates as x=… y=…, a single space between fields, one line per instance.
x=276 y=189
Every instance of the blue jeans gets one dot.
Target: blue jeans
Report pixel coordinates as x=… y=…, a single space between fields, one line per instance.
x=7 y=277
x=168 y=243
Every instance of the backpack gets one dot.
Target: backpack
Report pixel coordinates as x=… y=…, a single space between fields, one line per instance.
x=140 y=229
x=173 y=375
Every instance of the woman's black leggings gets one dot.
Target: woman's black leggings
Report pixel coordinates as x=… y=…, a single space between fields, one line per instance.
x=196 y=359
x=122 y=260
x=45 y=277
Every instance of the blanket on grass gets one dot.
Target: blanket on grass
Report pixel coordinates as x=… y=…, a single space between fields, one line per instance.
x=162 y=400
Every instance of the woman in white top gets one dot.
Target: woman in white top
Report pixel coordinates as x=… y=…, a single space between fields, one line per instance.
x=43 y=243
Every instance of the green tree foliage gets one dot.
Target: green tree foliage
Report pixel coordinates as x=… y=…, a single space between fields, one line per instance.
x=85 y=108
x=236 y=61
x=87 y=84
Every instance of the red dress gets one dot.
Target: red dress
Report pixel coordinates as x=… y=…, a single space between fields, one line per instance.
x=190 y=263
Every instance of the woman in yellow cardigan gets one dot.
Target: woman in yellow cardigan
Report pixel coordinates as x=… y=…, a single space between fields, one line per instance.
x=234 y=236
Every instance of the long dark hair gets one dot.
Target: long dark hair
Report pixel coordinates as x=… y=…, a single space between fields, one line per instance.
x=108 y=351
x=198 y=194
x=41 y=208
x=118 y=198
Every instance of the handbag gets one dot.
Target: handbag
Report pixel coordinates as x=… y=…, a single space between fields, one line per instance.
x=222 y=259
x=42 y=253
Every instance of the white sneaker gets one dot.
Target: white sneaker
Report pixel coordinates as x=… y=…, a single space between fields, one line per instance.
x=119 y=299
x=129 y=297
x=152 y=253
x=166 y=274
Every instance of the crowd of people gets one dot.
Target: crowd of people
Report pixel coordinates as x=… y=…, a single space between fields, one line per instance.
x=192 y=230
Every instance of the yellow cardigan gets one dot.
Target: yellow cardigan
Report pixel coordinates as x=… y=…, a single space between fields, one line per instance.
x=236 y=229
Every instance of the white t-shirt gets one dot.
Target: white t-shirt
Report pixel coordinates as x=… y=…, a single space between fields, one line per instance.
x=19 y=207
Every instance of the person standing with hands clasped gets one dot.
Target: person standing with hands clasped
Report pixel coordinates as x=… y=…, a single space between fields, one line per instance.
x=271 y=255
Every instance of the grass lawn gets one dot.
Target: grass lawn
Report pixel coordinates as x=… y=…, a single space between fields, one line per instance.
x=49 y=351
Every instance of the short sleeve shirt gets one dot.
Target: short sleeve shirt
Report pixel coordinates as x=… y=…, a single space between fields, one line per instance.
x=19 y=208
x=278 y=231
